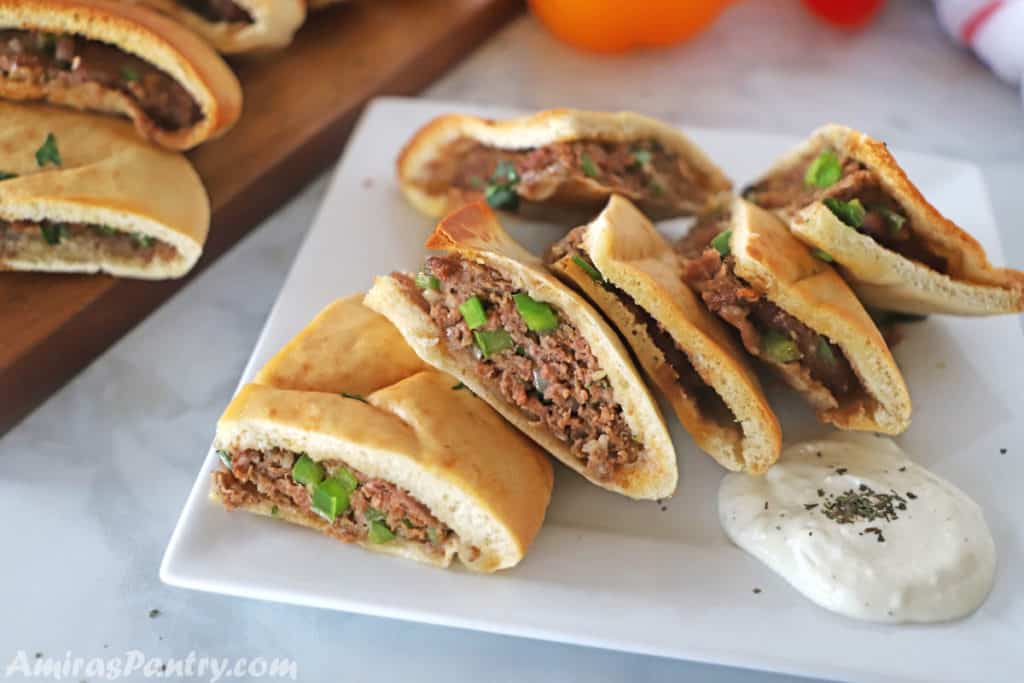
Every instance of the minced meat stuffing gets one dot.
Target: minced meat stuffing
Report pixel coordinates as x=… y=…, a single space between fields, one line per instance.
x=643 y=170
x=79 y=242
x=753 y=315
x=787 y=191
x=266 y=476
x=41 y=58
x=553 y=376
x=218 y=11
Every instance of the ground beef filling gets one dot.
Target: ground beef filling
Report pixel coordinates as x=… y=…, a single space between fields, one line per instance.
x=262 y=476
x=707 y=399
x=642 y=170
x=754 y=316
x=218 y=11
x=79 y=243
x=552 y=377
x=787 y=191
x=43 y=58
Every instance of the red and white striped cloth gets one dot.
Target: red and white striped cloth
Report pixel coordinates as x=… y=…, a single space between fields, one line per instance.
x=994 y=29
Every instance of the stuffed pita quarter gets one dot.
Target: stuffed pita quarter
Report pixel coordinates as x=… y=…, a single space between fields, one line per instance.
x=413 y=467
x=83 y=194
x=238 y=26
x=796 y=314
x=118 y=58
x=490 y=313
x=561 y=161
x=845 y=194
x=629 y=271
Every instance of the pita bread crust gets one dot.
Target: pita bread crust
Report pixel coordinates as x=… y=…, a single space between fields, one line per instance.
x=414 y=431
x=544 y=128
x=473 y=232
x=274 y=22
x=631 y=254
x=775 y=263
x=346 y=348
x=883 y=277
x=146 y=34
x=108 y=177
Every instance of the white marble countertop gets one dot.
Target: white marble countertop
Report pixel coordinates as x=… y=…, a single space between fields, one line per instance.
x=91 y=484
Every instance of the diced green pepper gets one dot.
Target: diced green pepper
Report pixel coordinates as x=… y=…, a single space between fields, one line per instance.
x=373 y=515
x=823 y=255
x=142 y=241
x=330 y=498
x=538 y=316
x=307 y=471
x=588 y=166
x=852 y=212
x=641 y=156
x=4 y=175
x=721 y=243
x=590 y=270
x=53 y=233
x=472 y=310
x=779 y=348
x=225 y=458
x=656 y=188
x=823 y=171
x=491 y=342
x=347 y=479
x=825 y=352
x=273 y=511
x=427 y=281
x=433 y=535
x=894 y=219
x=500 y=192
x=105 y=230
x=380 y=533
x=129 y=73
x=48 y=152
x=354 y=397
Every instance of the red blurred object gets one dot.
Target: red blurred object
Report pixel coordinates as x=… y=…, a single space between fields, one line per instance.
x=845 y=13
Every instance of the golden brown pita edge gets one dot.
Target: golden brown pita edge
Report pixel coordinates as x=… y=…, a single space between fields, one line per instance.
x=473 y=232
x=883 y=278
x=146 y=34
x=415 y=431
x=632 y=256
x=274 y=23
x=109 y=177
x=775 y=263
x=536 y=130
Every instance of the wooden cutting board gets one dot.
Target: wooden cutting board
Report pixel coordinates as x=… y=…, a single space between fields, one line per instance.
x=300 y=105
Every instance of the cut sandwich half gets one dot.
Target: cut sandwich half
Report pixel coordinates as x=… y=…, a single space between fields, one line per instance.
x=415 y=467
x=238 y=26
x=83 y=194
x=796 y=314
x=491 y=314
x=118 y=58
x=557 y=161
x=629 y=271
x=844 y=194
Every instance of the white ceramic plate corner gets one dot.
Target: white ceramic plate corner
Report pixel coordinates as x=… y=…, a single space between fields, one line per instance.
x=643 y=577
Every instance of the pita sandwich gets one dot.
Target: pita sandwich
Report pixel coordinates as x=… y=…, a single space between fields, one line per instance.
x=844 y=194
x=237 y=26
x=84 y=194
x=118 y=58
x=560 y=161
x=626 y=268
x=796 y=314
x=414 y=467
x=490 y=313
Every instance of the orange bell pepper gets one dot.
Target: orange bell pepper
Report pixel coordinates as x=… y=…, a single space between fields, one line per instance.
x=619 y=25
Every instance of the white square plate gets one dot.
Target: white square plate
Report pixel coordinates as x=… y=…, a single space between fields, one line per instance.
x=644 y=577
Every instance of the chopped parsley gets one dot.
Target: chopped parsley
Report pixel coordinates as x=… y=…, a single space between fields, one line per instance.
x=142 y=241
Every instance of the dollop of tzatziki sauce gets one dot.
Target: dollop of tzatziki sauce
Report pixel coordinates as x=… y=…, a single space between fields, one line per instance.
x=860 y=529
